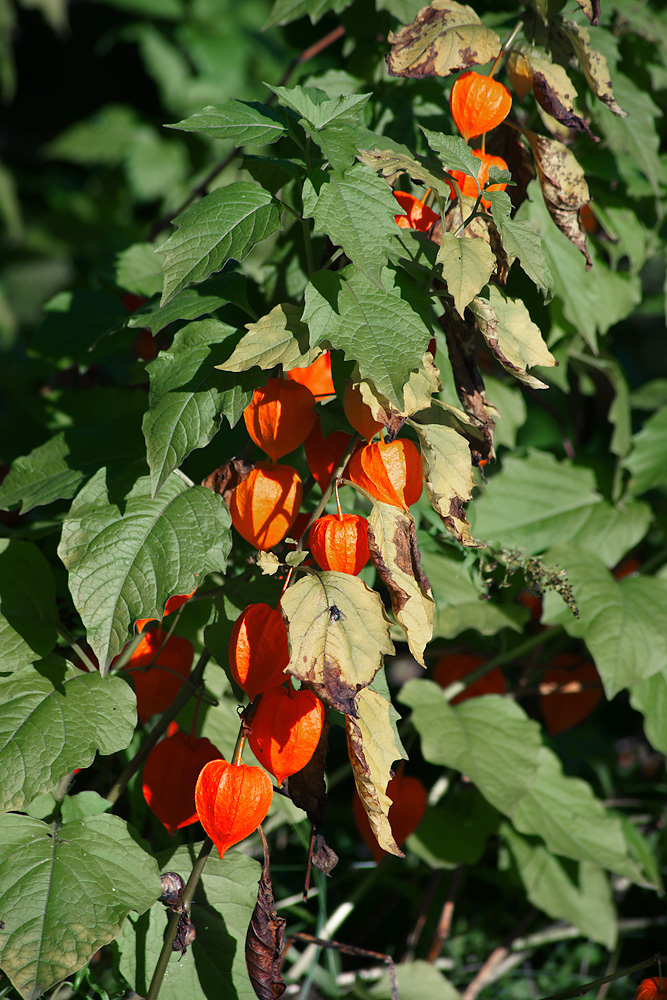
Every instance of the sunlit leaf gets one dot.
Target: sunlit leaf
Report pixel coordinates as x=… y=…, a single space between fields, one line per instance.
x=444 y=38
x=467 y=265
x=511 y=334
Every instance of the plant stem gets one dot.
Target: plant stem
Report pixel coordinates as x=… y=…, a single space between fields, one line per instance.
x=188 y=894
x=506 y=44
x=329 y=490
x=74 y=645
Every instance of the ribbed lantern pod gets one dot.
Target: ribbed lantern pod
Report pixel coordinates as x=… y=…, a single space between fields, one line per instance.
x=170 y=775
x=359 y=413
x=340 y=543
x=390 y=472
x=316 y=377
x=231 y=801
x=286 y=729
x=264 y=506
x=157 y=683
x=418 y=215
x=323 y=454
x=455 y=666
x=478 y=103
x=173 y=604
x=258 y=649
x=280 y=416
x=467 y=184
x=408 y=805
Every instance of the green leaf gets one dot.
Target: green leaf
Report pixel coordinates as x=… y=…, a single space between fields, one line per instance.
x=279 y=338
x=647 y=460
x=242 y=122
x=453 y=151
x=416 y=981
x=521 y=241
x=356 y=211
x=386 y=330
x=224 y=225
x=650 y=698
x=317 y=110
x=53 y=719
x=192 y=303
x=391 y=161
x=534 y=502
x=84 y=804
x=338 y=635
x=467 y=265
x=623 y=622
x=65 y=892
x=138 y=270
x=285 y=11
x=221 y=910
x=448 y=475
x=579 y=893
x=124 y=563
x=28 y=615
x=458 y=833
x=511 y=335
x=74 y=324
x=189 y=397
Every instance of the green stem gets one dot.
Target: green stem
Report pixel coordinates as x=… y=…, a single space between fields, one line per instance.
x=188 y=894
x=189 y=688
x=74 y=645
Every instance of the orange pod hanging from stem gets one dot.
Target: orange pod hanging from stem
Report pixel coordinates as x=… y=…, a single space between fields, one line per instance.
x=286 y=729
x=264 y=506
x=280 y=416
x=231 y=801
x=478 y=103
x=170 y=775
x=258 y=649
x=340 y=544
x=390 y=472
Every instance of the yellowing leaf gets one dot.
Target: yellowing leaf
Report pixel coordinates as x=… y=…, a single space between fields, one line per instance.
x=448 y=476
x=392 y=540
x=417 y=393
x=555 y=92
x=593 y=65
x=391 y=162
x=279 y=338
x=467 y=265
x=338 y=635
x=444 y=38
x=373 y=746
x=511 y=334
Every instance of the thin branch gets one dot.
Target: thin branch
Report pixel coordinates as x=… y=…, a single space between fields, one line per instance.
x=444 y=927
x=348 y=949
x=487 y=972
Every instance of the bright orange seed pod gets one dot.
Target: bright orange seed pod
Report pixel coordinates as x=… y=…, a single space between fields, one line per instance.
x=231 y=801
x=316 y=377
x=286 y=729
x=324 y=453
x=478 y=103
x=170 y=775
x=390 y=472
x=408 y=805
x=419 y=216
x=173 y=604
x=359 y=413
x=455 y=666
x=258 y=649
x=156 y=686
x=280 y=416
x=264 y=506
x=654 y=988
x=467 y=183
x=340 y=544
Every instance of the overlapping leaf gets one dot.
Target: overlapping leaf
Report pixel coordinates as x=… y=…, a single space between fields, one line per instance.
x=593 y=65
x=389 y=162
x=28 y=615
x=241 y=122
x=318 y=110
x=448 y=475
x=124 y=562
x=286 y=11
x=511 y=334
x=460 y=605
x=648 y=459
x=521 y=241
x=64 y=893
x=564 y=187
x=650 y=698
x=54 y=719
x=279 y=338
x=467 y=265
x=444 y=38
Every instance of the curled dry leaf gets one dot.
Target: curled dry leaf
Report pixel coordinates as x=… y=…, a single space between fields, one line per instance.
x=591 y=9
x=324 y=857
x=444 y=38
x=463 y=356
x=391 y=163
x=417 y=393
x=593 y=65
x=553 y=89
x=227 y=476
x=265 y=938
x=511 y=334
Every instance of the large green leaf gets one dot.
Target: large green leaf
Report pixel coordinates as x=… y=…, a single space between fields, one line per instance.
x=579 y=893
x=460 y=605
x=318 y=110
x=386 y=330
x=623 y=622
x=356 y=211
x=64 y=893
x=648 y=459
x=125 y=561
x=28 y=614
x=279 y=338
x=214 y=965
x=54 y=718
x=536 y=501
x=189 y=397
x=225 y=225
x=457 y=831
x=240 y=121
x=650 y=698
x=467 y=265
x=521 y=241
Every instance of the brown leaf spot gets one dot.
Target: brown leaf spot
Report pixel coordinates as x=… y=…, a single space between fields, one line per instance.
x=399 y=597
x=549 y=100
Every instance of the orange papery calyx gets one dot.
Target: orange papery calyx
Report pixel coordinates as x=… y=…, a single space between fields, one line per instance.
x=231 y=801
x=569 y=691
x=340 y=543
x=264 y=506
x=173 y=604
x=653 y=988
x=280 y=416
x=170 y=775
x=478 y=103
x=258 y=649
x=455 y=666
x=158 y=667
x=418 y=215
x=359 y=413
x=316 y=377
x=409 y=799
x=324 y=454
x=466 y=183
x=285 y=730
x=390 y=471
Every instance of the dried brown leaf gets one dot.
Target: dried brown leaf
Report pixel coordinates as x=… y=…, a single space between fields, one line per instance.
x=324 y=857
x=264 y=940
x=593 y=65
x=444 y=38
x=227 y=476
x=564 y=187
x=307 y=788
x=591 y=9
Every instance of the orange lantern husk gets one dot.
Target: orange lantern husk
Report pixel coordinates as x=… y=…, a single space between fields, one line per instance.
x=323 y=454
x=156 y=686
x=340 y=544
x=359 y=413
x=419 y=216
x=316 y=377
x=231 y=801
x=569 y=691
x=280 y=416
x=286 y=729
x=390 y=472
x=258 y=649
x=467 y=184
x=654 y=988
x=455 y=666
x=408 y=805
x=264 y=506
x=173 y=604
x=478 y=103
x=170 y=775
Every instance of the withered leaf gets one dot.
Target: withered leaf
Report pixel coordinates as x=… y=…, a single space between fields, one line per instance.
x=265 y=938
x=324 y=857
x=511 y=335
x=185 y=934
x=417 y=393
x=227 y=476
x=463 y=357
x=307 y=788
x=391 y=163
x=373 y=746
x=564 y=187
x=591 y=9
x=444 y=38
x=392 y=541
x=554 y=92
x=338 y=634
x=593 y=65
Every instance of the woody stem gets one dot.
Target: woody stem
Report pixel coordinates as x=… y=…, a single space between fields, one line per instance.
x=238 y=749
x=506 y=44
